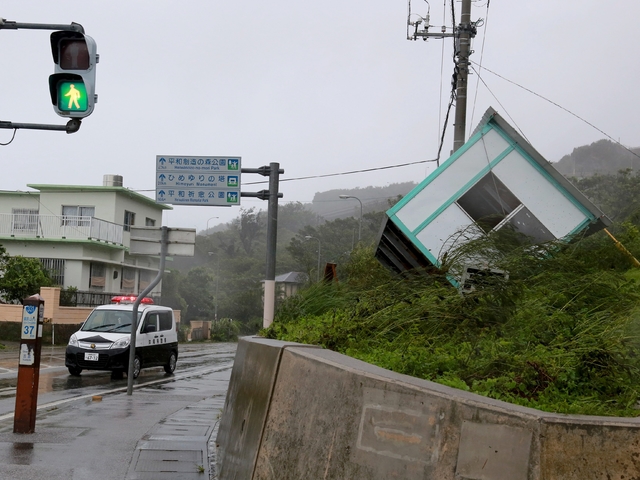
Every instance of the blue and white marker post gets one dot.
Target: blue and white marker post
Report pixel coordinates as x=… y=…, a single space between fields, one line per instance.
x=24 y=418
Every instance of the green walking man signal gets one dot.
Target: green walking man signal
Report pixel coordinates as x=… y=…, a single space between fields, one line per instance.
x=72 y=98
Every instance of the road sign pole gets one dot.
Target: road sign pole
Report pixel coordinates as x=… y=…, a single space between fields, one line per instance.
x=272 y=231
x=24 y=417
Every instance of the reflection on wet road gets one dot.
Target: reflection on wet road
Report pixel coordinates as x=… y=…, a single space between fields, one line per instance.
x=56 y=384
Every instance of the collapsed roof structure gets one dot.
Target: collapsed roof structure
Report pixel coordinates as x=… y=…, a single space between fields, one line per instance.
x=495 y=179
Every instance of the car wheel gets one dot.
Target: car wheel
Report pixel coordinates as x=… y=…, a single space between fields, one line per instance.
x=171 y=364
x=75 y=371
x=137 y=365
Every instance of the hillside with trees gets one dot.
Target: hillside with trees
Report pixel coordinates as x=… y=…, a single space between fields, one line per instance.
x=603 y=157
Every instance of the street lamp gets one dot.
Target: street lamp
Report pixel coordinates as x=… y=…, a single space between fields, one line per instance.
x=215 y=305
x=344 y=197
x=207 y=230
x=309 y=237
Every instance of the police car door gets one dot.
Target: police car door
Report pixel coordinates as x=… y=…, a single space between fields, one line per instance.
x=147 y=345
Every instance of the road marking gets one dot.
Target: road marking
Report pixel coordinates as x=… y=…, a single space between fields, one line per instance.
x=122 y=389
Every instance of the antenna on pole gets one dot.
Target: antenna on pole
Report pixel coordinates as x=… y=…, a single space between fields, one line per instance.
x=463 y=33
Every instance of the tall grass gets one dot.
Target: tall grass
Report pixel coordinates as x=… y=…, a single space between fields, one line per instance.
x=560 y=334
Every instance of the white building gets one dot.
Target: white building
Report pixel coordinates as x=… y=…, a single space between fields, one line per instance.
x=81 y=233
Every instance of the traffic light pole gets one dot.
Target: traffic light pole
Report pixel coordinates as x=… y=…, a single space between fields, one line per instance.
x=72 y=125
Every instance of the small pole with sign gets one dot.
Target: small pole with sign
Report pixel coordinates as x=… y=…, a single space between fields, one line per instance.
x=24 y=418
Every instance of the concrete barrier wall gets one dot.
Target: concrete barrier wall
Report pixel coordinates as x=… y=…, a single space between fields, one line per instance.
x=296 y=412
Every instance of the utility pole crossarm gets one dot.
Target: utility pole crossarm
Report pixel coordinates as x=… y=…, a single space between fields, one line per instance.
x=462 y=33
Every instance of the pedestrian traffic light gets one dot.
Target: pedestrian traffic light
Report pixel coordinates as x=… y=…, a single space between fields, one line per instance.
x=72 y=86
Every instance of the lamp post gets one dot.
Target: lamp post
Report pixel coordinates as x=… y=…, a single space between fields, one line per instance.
x=207 y=230
x=344 y=197
x=309 y=237
x=215 y=304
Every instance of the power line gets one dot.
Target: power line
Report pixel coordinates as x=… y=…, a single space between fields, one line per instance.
x=560 y=107
x=346 y=173
x=499 y=102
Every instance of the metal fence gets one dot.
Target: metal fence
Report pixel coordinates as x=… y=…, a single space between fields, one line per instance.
x=29 y=225
x=93 y=299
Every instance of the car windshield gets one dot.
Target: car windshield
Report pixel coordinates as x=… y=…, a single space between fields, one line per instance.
x=118 y=321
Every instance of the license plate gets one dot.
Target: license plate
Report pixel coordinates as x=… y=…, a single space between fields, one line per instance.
x=91 y=356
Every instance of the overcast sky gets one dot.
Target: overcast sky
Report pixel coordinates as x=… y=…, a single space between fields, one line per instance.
x=321 y=87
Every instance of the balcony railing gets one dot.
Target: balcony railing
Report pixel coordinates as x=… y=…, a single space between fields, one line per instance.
x=22 y=225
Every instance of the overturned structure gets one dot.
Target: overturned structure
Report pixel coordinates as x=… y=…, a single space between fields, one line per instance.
x=497 y=179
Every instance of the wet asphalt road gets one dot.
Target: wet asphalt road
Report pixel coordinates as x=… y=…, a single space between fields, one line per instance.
x=57 y=385
x=88 y=428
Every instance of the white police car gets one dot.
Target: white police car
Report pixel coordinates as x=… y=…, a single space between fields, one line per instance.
x=102 y=343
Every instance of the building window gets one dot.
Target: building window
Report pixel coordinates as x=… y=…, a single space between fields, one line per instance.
x=129 y=220
x=25 y=219
x=77 y=215
x=128 y=280
x=149 y=222
x=97 y=276
x=166 y=320
x=492 y=206
x=488 y=202
x=55 y=269
x=145 y=278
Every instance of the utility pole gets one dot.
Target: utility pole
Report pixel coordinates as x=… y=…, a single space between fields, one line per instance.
x=462 y=34
x=466 y=31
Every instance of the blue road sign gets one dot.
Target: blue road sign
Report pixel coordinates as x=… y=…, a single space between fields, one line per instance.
x=187 y=180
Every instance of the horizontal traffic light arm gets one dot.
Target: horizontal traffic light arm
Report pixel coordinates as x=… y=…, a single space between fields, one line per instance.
x=72 y=126
x=10 y=25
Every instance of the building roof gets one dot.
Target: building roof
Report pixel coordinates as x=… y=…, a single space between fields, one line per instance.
x=95 y=189
x=292 y=277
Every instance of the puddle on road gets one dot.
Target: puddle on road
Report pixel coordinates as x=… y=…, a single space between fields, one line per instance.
x=21 y=453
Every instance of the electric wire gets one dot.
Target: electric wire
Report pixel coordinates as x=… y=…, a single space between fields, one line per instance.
x=484 y=37
x=12 y=137
x=310 y=177
x=441 y=73
x=559 y=106
x=499 y=102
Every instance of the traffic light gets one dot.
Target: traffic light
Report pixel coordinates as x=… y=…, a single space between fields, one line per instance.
x=73 y=84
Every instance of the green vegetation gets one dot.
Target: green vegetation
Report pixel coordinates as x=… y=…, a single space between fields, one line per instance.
x=226 y=330
x=561 y=334
x=21 y=277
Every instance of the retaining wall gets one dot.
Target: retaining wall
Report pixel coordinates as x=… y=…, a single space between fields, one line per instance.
x=295 y=411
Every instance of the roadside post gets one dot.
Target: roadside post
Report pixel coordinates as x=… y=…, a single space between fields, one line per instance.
x=24 y=418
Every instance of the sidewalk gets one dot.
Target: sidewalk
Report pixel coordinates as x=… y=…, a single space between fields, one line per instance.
x=160 y=432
